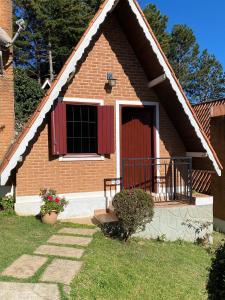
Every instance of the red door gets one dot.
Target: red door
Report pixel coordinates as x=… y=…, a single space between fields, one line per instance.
x=137 y=147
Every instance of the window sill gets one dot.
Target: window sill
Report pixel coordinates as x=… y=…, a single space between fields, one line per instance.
x=80 y=157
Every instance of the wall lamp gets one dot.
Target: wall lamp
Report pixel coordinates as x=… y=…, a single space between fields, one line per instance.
x=111 y=80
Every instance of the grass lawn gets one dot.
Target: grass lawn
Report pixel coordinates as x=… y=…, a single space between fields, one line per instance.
x=140 y=269
x=22 y=235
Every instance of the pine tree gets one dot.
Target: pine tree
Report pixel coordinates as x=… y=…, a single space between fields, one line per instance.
x=158 y=24
x=59 y=23
x=209 y=80
x=183 y=55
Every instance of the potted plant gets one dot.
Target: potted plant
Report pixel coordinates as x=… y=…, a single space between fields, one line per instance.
x=52 y=206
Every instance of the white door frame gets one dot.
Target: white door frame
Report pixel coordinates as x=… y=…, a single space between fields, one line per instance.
x=119 y=103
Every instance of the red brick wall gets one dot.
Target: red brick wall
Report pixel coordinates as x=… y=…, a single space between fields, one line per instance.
x=110 y=51
x=6 y=84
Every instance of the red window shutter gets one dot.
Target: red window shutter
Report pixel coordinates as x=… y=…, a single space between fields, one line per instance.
x=58 y=128
x=106 y=130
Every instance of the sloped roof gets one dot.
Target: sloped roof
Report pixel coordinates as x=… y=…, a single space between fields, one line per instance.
x=19 y=147
x=202 y=111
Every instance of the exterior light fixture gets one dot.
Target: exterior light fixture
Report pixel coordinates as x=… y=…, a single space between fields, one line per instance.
x=111 y=81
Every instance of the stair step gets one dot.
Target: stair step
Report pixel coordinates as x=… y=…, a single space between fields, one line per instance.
x=104 y=216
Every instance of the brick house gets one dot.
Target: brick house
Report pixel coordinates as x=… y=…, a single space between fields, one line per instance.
x=116 y=110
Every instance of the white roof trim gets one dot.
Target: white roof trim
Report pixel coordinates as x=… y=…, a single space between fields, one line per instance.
x=71 y=68
x=174 y=84
x=47 y=81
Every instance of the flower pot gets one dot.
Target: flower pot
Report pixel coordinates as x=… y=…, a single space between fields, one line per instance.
x=50 y=218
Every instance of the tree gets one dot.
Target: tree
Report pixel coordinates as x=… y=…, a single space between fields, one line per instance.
x=27 y=96
x=158 y=24
x=183 y=55
x=209 y=81
x=59 y=23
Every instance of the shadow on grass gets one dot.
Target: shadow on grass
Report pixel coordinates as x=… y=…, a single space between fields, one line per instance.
x=216 y=280
x=38 y=217
x=114 y=230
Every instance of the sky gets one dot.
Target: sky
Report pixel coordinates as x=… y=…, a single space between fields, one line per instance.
x=205 y=17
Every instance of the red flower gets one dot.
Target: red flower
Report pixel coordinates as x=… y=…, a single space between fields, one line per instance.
x=50 y=198
x=57 y=200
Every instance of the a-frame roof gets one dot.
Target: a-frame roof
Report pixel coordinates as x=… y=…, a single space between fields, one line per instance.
x=13 y=157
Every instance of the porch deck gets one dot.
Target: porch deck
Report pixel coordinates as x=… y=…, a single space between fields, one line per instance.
x=168 y=180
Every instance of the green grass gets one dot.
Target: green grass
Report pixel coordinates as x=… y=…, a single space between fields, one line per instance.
x=22 y=235
x=140 y=269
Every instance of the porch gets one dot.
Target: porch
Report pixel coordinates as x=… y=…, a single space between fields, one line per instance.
x=169 y=181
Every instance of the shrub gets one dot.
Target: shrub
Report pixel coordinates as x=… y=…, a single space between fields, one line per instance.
x=7 y=204
x=201 y=229
x=134 y=209
x=216 y=280
x=51 y=202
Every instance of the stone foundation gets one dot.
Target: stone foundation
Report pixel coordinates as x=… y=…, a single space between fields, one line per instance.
x=172 y=223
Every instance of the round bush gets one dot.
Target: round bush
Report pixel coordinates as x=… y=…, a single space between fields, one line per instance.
x=134 y=209
x=216 y=280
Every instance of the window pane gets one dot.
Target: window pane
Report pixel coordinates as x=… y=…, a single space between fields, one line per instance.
x=70 y=148
x=70 y=133
x=85 y=145
x=85 y=129
x=85 y=113
x=78 y=145
x=69 y=113
x=81 y=129
x=77 y=112
x=77 y=129
x=93 y=145
x=92 y=114
x=93 y=130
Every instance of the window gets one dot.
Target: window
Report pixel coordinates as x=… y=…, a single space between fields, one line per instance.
x=81 y=128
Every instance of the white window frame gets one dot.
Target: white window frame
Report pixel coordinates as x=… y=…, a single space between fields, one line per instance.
x=81 y=157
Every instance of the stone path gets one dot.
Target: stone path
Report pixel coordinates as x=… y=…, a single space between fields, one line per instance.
x=28 y=291
x=55 y=272
x=69 y=240
x=59 y=251
x=25 y=266
x=60 y=270
x=80 y=231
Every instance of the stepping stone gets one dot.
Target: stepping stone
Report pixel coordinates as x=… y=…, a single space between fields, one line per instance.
x=80 y=231
x=59 y=251
x=28 y=291
x=25 y=266
x=69 y=240
x=61 y=271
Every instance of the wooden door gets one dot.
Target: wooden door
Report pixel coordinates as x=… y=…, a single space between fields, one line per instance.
x=137 y=147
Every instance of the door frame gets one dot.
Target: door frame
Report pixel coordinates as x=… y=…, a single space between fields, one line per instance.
x=129 y=103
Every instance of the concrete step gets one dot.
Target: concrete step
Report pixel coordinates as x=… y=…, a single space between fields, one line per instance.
x=104 y=216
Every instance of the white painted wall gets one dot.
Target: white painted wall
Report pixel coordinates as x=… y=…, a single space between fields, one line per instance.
x=172 y=223
x=80 y=204
x=219 y=225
